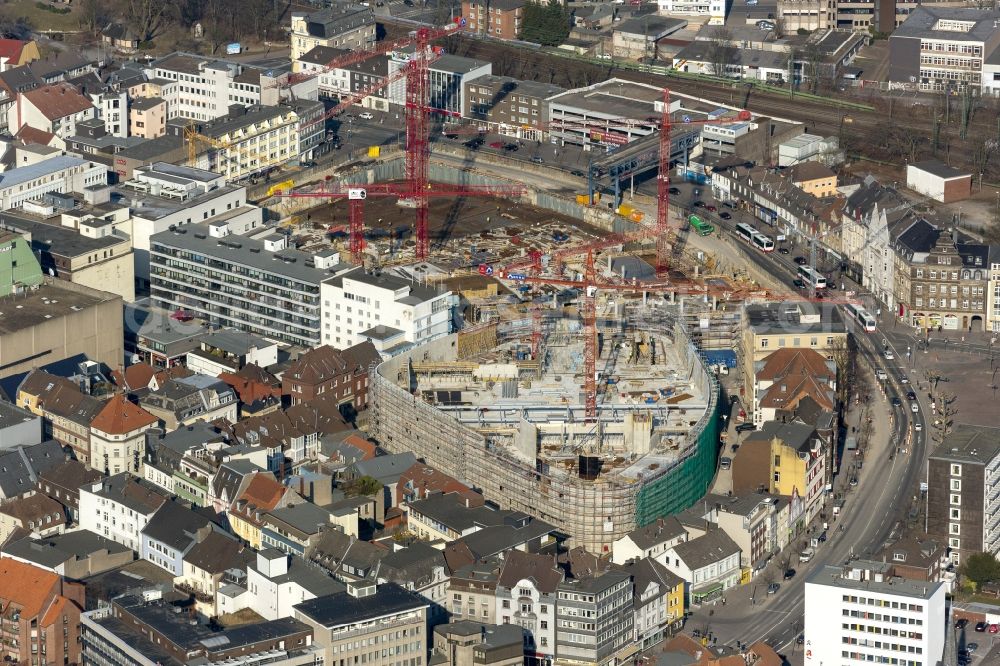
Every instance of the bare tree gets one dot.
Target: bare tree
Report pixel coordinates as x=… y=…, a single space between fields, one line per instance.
x=148 y=17
x=845 y=357
x=812 y=57
x=944 y=419
x=94 y=15
x=721 y=51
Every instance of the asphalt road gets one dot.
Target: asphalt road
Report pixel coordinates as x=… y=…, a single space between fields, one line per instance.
x=872 y=510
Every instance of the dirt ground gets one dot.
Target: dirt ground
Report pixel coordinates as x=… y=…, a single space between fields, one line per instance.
x=502 y=228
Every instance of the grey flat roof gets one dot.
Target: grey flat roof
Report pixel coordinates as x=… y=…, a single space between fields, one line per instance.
x=150 y=207
x=39 y=169
x=234 y=341
x=53 y=550
x=11 y=415
x=49 y=301
x=921 y=21
x=940 y=169
x=770 y=318
x=307 y=517
x=969 y=444
x=247 y=116
x=153 y=148
x=185 y=238
x=418 y=292
x=342 y=608
x=834 y=576
x=57 y=239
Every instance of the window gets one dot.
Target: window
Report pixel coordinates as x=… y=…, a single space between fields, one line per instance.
x=956 y=485
x=956 y=500
x=954 y=528
x=956 y=470
x=956 y=514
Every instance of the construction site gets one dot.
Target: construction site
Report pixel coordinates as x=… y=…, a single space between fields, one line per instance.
x=481 y=406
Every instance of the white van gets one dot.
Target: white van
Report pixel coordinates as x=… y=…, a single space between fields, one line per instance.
x=806 y=555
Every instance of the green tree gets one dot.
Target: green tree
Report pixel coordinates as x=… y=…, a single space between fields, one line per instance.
x=364 y=486
x=547 y=24
x=981 y=568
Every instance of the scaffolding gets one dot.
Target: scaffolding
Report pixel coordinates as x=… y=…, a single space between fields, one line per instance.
x=594 y=509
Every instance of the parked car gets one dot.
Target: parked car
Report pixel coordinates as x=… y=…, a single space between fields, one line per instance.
x=510 y=147
x=725 y=463
x=981 y=626
x=971 y=647
x=773 y=588
x=366 y=116
x=578 y=173
x=725 y=216
x=474 y=144
x=734 y=448
x=674 y=191
x=496 y=144
x=537 y=159
x=698 y=204
x=806 y=555
x=745 y=427
x=854 y=481
x=801 y=261
x=782 y=250
x=994 y=628
x=789 y=574
x=710 y=208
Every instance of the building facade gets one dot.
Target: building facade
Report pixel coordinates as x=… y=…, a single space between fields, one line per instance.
x=907 y=625
x=963 y=493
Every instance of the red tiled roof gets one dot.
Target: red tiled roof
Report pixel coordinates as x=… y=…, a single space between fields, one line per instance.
x=11 y=49
x=54 y=610
x=25 y=585
x=250 y=391
x=28 y=135
x=58 y=100
x=798 y=361
x=366 y=447
x=263 y=492
x=120 y=417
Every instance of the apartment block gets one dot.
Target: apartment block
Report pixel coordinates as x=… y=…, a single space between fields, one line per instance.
x=963 y=493
x=594 y=619
x=249 y=140
x=447 y=78
x=201 y=88
x=715 y=10
x=856 y=615
x=62 y=174
x=374 y=624
x=258 y=286
x=500 y=19
x=41 y=622
x=509 y=106
x=359 y=305
x=164 y=195
x=944 y=49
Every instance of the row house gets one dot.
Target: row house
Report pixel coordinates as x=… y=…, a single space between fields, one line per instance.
x=870 y=220
x=949 y=285
x=66 y=412
x=775 y=200
x=325 y=369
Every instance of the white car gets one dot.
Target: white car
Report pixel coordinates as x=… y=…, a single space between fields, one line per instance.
x=918 y=426
x=914 y=407
x=888 y=355
x=366 y=116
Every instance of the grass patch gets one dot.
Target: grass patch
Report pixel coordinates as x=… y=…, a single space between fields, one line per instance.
x=41 y=17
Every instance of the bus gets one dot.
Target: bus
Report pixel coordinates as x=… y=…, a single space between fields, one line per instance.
x=863 y=317
x=812 y=278
x=703 y=228
x=762 y=242
x=745 y=231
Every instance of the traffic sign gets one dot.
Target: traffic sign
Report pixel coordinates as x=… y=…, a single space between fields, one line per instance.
x=515 y=276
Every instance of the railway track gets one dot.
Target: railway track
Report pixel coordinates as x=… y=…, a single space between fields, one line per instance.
x=907 y=135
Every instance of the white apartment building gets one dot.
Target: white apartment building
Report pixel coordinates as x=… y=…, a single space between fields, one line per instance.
x=118 y=436
x=62 y=173
x=857 y=616
x=714 y=9
x=357 y=303
x=249 y=140
x=447 y=79
x=709 y=565
x=330 y=82
x=118 y=508
x=202 y=88
x=164 y=195
x=527 y=593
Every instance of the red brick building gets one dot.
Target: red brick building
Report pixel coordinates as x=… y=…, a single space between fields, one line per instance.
x=40 y=620
x=326 y=370
x=496 y=18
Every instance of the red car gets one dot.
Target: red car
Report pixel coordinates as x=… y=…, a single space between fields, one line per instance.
x=994 y=628
x=711 y=209
x=497 y=144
